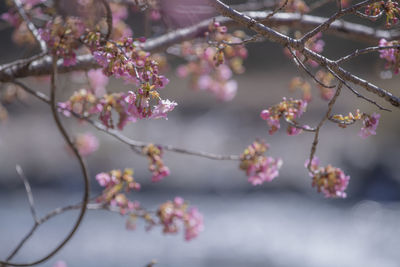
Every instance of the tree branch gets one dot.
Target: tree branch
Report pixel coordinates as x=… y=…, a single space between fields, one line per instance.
x=42 y=66
x=326 y=117
x=126 y=140
x=85 y=177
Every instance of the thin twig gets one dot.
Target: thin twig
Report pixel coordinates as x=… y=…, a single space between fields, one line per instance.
x=28 y=192
x=359 y=52
x=354 y=91
x=270 y=15
x=322 y=27
x=126 y=140
x=326 y=116
x=84 y=171
x=299 y=63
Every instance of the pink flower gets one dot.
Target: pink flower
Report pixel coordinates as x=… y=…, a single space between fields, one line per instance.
x=86 y=144
x=103 y=179
x=314 y=163
x=293 y=130
x=163 y=107
x=193 y=223
x=228 y=90
x=98 y=81
x=160 y=173
x=388 y=54
x=370 y=124
x=331 y=181
x=264 y=171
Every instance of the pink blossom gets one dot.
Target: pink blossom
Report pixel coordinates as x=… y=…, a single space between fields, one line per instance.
x=370 y=124
x=98 y=81
x=65 y=108
x=11 y=18
x=160 y=173
x=314 y=163
x=292 y=131
x=193 y=224
x=388 y=54
x=103 y=179
x=228 y=91
x=163 y=107
x=264 y=171
x=86 y=144
x=178 y=201
x=329 y=180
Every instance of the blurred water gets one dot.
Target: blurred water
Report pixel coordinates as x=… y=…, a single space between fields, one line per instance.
x=254 y=229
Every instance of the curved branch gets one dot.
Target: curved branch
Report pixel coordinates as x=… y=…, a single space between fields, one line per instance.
x=85 y=178
x=126 y=140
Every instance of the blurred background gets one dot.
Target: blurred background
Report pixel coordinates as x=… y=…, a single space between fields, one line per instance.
x=282 y=223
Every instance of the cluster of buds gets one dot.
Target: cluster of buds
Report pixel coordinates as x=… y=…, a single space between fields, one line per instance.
x=391 y=8
x=257 y=166
x=174 y=213
x=391 y=55
x=290 y=110
x=370 y=122
x=129 y=106
x=82 y=102
x=329 y=180
x=115 y=183
x=156 y=164
x=62 y=37
x=211 y=65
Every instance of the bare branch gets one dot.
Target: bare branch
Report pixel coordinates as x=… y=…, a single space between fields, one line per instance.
x=28 y=192
x=301 y=64
x=84 y=171
x=322 y=27
x=356 y=92
x=367 y=50
x=42 y=66
x=326 y=116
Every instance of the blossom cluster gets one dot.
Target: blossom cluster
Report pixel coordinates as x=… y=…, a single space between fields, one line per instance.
x=390 y=7
x=211 y=65
x=115 y=183
x=290 y=110
x=370 y=122
x=129 y=106
x=257 y=166
x=62 y=37
x=174 y=213
x=329 y=180
x=156 y=164
x=391 y=55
